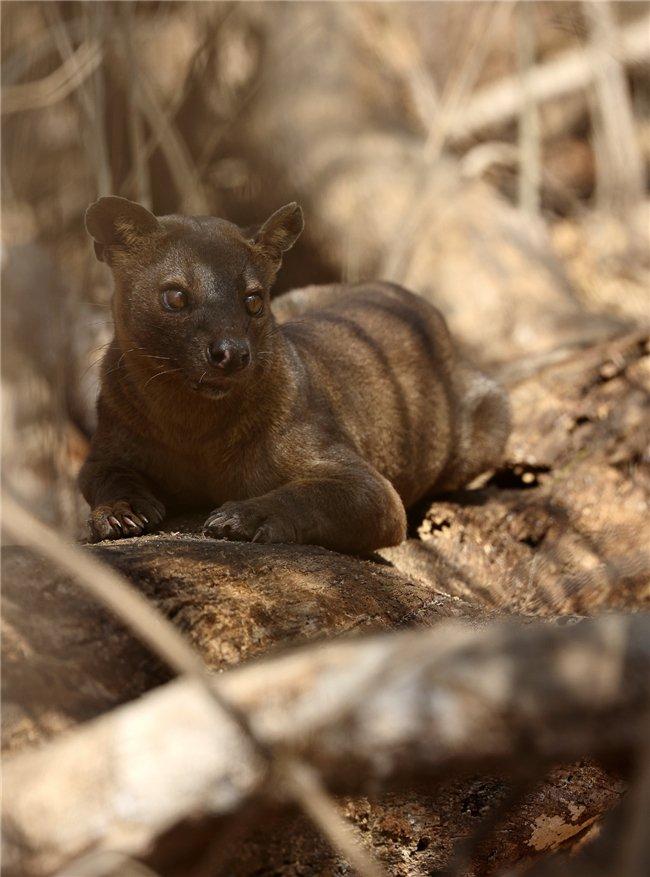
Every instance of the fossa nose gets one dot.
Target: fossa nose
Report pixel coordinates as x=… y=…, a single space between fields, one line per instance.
x=229 y=355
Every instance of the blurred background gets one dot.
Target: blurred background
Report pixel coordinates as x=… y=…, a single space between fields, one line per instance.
x=492 y=156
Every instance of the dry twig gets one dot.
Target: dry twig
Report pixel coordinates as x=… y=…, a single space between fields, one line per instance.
x=619 y=161
x=530 y=164
x=568 y=72
x=181 y=166
x=53 y=88
x=88 y=94
x=458 y=88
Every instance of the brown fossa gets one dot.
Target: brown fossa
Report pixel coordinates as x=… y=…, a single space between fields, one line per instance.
x=317 y=418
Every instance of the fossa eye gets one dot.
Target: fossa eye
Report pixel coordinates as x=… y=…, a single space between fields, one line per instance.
x=254 y=304
x=174 y=299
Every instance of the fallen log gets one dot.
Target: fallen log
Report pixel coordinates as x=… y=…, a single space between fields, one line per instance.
x=562 y=528
x=367 y=712
x=65 y=659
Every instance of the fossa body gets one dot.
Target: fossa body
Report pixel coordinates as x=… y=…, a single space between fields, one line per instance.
x=317 y=418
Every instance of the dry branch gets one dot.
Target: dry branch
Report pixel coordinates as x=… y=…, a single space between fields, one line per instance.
x=374 y=201
x=139 y=157
x=570 y=71
x=181 y=166
x=57 y=85
x=620 y=170
x=530 y=162
x=89 y=94
x=361 y=712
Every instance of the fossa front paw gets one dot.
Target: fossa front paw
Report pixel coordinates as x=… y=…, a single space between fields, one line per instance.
x=248 y=522
x=124 y=518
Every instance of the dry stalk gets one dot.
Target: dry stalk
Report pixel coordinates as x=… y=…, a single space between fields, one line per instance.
x=178 y=158
x=87 y=95
x=619 y=161
x=152 y=141
x=384 y=35
x=139 y=156
x=97 y=19
x=57 y=85
x=304 y=785
x=455 y=95
x=175 y=151
x=530 y=163
x=568 y=72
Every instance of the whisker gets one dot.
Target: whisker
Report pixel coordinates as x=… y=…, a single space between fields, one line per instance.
x=112 y=371
x=119 y=362
x=158 y=374
x=102 y=346
x=275 y=330
x=91 y=365
x=153 y=356
x=108 y=344
x=139 y=351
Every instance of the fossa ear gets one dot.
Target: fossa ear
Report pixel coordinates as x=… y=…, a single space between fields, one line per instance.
x=118 y=222
x=280 y=231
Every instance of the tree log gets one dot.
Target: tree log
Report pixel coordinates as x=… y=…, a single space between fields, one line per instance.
x=563 y=527
x=66 y=660
x=362 y=712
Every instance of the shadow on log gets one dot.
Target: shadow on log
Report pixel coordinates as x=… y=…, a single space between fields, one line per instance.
x=369 y=713
x=66 y=660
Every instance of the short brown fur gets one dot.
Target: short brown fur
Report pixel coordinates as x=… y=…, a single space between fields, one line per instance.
x=347 y=404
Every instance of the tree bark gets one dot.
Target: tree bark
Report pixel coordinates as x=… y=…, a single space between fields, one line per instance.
x=383 y=709
x=562 y=528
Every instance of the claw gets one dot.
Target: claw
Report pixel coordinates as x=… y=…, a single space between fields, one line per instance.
x=215 y=521
x=133 y=524
x=114 y=522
